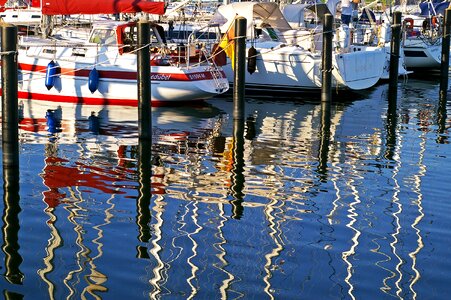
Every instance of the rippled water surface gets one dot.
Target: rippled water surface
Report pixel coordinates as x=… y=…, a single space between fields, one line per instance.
x=290 y=203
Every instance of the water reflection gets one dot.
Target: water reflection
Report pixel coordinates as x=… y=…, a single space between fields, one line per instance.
x=11 y=205
x=442 y=121
x=11 y=226
x=295 y=200
x=143 y=205
x=237 y=178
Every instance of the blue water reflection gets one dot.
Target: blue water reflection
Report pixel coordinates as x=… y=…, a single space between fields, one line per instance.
x=292 y=202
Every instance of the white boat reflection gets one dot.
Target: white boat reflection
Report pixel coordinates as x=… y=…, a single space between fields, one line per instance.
x=39 y=120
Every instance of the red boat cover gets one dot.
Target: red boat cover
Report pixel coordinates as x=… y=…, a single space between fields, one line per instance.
x=36 y=3
x=92 y=7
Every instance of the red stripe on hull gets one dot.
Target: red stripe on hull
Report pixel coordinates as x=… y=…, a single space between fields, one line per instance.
x=124 y=75
x=79 y=100
x=98 y=101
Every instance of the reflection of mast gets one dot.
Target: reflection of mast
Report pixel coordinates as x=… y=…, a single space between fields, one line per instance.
x=155 y=251
x=389 y=154
x=275 y=234
x=355 y=239
x=54 y=242
x=221 y=256
x=98 y=278
x=194 y=268
x=74 y=212
x=51 y=198
x=397 y=230
x=419 y=201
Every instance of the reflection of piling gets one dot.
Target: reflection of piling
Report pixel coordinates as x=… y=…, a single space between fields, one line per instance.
x=237 y=178
x=144 y=107
x=441 y=120
x=11 y=225
x=10 y=110
x=143 y=205
x=323 y=152
x=239 y=68
x=395 y=45
x=444 y=66
x=326 y=88
x=391 y=123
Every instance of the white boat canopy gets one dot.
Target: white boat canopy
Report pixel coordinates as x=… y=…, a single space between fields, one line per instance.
x=255 y=13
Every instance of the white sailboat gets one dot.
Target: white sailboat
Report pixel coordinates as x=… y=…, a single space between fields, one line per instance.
x=422 y=41
x=290 y=59
x=102 y=69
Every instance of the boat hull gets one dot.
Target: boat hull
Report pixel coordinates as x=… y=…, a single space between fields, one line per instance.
x=290 y=69
x=116 y=77
x=118 y=87
x=420 y=55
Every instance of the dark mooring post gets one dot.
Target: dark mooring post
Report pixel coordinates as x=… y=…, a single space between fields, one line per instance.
x=239 y=68
x=326 y=88
x=444 y=66
x=144 y=106
x=10 y=143
x=395 y=44
x=10 y=114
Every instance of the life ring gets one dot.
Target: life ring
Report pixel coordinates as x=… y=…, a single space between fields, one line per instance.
x=409 y=23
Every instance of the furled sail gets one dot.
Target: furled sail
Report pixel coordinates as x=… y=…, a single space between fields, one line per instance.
x=71 y=7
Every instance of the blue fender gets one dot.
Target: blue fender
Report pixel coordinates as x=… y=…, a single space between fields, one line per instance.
x=50 y=75
x=93 y=81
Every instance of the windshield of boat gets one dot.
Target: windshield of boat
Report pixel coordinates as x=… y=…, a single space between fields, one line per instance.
x=103 y=36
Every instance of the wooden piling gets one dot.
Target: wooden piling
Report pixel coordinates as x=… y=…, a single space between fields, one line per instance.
x=239 y=68
x=326 y=87
x=10 y=110
x=444 y=66
x=143 y=76
x=395 y=44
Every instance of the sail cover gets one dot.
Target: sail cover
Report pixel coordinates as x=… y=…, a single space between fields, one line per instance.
x=35 y=3
x=73 y=7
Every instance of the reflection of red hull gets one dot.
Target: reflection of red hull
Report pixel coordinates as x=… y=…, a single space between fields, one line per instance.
x=59 y=174
x=33 y=125
x=157 y=186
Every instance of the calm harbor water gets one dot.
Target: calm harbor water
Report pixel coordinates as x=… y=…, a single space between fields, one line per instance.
x=284 y=206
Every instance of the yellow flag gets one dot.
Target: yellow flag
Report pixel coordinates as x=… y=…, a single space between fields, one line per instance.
x=228 y=43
